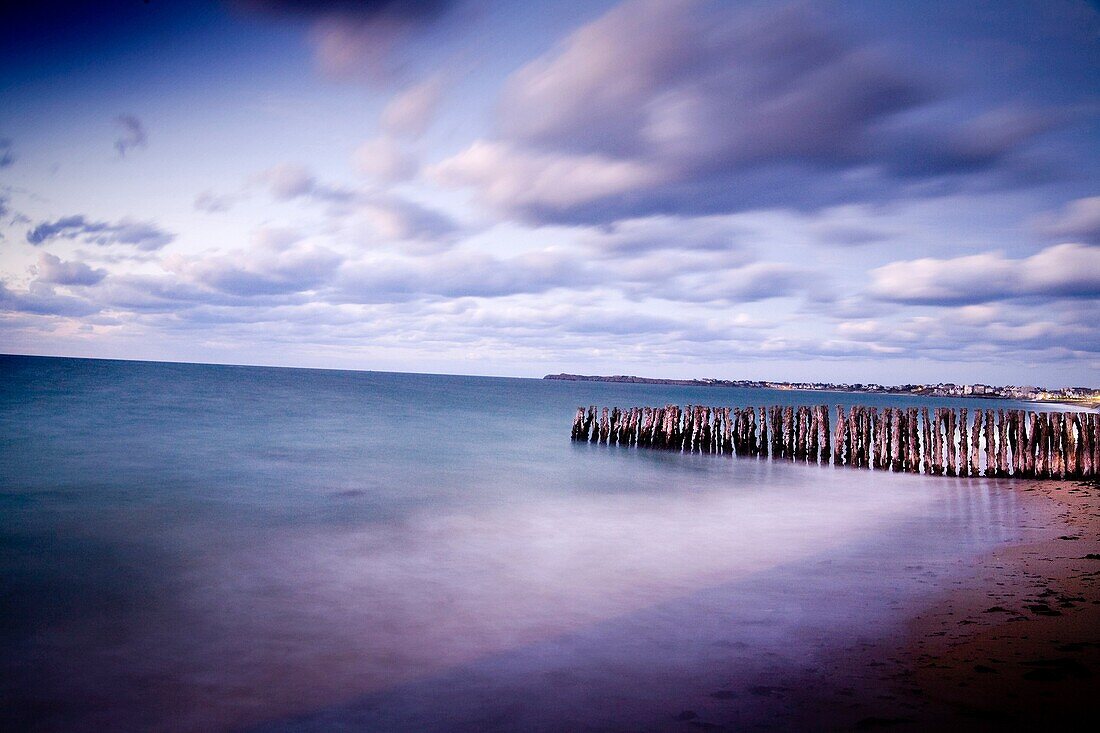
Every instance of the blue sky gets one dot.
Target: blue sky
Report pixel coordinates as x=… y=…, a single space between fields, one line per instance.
x=879 y=191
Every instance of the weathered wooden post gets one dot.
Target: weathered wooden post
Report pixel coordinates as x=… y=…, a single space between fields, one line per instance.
x=1002 y=444
x=949 y=436
x=851 y=439
x=876 y=439
x=964 y=445
x=1094 y=420
x=838 y=436
x=912 y=443
x=1019 y=456
x=1086 y=446
x=893 y=450
x=864 y=437
x=799 y=434
x=937 y=441
x=990 y=445
x=811 y=434
x=791 y=436
x=1069 y=430
x=1058 y=449
x=825 y=434
x=975 y=457
x=900 y=418
x=754 y=441
x=763 y=433
x=1042 y=458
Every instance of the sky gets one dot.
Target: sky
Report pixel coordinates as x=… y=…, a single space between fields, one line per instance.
x=877 y=191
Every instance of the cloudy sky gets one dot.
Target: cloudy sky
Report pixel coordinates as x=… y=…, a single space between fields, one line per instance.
x=879 y=191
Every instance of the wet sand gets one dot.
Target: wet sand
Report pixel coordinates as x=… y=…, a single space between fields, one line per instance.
x=1018 y=641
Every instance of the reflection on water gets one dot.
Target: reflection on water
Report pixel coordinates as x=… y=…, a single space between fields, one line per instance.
x=197 y=548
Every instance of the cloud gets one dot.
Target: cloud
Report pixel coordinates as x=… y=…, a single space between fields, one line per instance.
x=142 y=235
x=1078 y=220
x=949 y=146
x=458 y=275
x=131 y=135
x=977 y=330
x=678 y=106
x=385 y=160
x=639 y=236
x=52 y=269
x=7 y=157
x=352 y=37
x=277 y=263
x=409 y=113
x=41 y=299
x=397 y=219
x=541 y=186
x=213 y=203
x=288 y=181
x=1061 y=271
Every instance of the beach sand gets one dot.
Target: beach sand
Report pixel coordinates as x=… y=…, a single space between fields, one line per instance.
x=1009 y=642
x=1017 y=642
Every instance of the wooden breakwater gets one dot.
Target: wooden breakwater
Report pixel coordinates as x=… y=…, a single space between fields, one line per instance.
x=947 y=442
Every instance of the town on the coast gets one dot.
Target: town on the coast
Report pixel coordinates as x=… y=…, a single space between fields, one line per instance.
x=1076 y=395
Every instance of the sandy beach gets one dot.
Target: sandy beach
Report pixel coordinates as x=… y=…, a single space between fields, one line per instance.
x=1018 y=641
x=1011 y=642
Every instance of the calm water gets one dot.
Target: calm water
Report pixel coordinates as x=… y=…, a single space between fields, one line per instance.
x=190 y=547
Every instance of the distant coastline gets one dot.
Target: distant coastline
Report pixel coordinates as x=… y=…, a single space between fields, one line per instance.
x=1079 y=396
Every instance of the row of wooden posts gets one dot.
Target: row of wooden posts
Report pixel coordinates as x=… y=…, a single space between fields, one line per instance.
x=997 y=443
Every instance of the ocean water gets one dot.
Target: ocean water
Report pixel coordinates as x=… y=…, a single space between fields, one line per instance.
x=195 y=547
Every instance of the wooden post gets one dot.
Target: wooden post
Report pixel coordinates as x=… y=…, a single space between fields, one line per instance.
x=750 y=418
x=1013 y=417
x=964 y=445
x=975 y=445
x=1069 y=437
x=1057 y=447
x=914 y=440
x=901 y=416
x=1088 y=468
x=838 y=436
x=937 y=441
x=799 y=434
x=855 y=433
x=990 y=445
x=1002 y=444
x=949 y=438
x=876 y=439
x=792 y=432
x=763 y=433
x=1042 y=457
x=811 y=434
x=1018 y=439
x=825 y=434
x=1094 y=420
x=926 y=441
x=865 y=437
x=893 y=432
x=1030 y=422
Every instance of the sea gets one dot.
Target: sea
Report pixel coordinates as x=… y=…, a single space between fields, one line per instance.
x=189 y=547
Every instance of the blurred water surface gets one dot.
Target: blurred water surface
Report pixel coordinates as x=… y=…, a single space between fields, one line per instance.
x=197 y=547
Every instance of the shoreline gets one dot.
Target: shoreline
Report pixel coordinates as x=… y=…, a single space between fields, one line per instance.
x=1018 y=638
x=1087 y=404
x=1010 y=642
